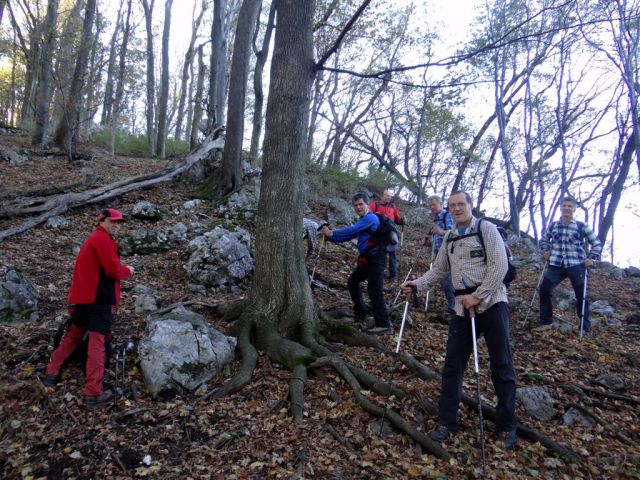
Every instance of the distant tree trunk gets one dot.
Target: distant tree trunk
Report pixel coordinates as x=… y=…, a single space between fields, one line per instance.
x=71 y=116
x=186 y=67
x=218 y=65
x=43 y=95
x=151 y=79
x=197 y=102
x=315 y=111
x=122 y=67
x=258 y=92
x=12 y=101
x=229 y=175
x=187 y=127
x=105 y=116
x=164 y=84
x=626 y=160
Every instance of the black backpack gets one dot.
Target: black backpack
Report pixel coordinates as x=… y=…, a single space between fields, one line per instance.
x=386 y=235
x=511 y=274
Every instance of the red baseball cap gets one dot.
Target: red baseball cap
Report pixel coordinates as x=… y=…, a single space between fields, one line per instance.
x=112 y=214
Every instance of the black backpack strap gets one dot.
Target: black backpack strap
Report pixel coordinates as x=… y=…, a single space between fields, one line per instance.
x=482 y=239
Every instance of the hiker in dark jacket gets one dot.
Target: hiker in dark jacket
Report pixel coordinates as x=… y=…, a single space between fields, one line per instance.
x=478 y=280
x=370 y=267
x=387 y=208
x=562 y=245
x=94 y=296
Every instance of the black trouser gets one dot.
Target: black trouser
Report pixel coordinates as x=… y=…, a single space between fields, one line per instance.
x=552 y=277
x=370 y=268
x=393 y=263
x=494 y=324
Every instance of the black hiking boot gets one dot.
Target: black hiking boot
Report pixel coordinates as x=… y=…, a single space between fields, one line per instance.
x=507 y=438
x=98 y=401
x=442 y=434
x=50 y=380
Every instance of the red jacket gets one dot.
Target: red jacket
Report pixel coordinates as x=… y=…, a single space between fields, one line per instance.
x=387 y=209
x=98 y=271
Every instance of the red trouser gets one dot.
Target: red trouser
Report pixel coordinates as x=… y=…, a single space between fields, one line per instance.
x=95 y=358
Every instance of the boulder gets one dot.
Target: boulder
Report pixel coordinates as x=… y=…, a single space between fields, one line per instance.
x=633 y=271
x=180 y=348
x=220 y=258
x=18 y=297
x=340 y=212
x=611 y=382
x=602 y=307
x=146 y=211
x=243 y=204
x=58 y=222
x=13 y=157
x=537 y=402
x=146 y=299
x=144 y=241
x=573 y=416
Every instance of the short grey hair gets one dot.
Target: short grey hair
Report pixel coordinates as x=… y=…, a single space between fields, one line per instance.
x=434 y=197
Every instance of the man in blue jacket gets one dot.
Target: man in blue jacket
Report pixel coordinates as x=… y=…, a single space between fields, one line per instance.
x=370 y=267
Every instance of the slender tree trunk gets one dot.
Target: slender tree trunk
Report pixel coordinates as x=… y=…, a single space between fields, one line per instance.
x=164 y=84
x=43 y=96
x=197 y=103
x=192 y=82
x=215 y=108
x=186 y=68
x=258 y=91
x=122 y=67
x=230 y=172
x=71 y=117
x=151 y=79
x=12 y=101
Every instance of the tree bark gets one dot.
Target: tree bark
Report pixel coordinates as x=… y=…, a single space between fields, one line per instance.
x=229 y=175
x=151 y=79
x=105 y=116
x=122 y=67
x=186 y=67
x=43 y=95
x=164 y=84
x=197 y=102
x=258 y=91
x=71 y=115
x=215 y=108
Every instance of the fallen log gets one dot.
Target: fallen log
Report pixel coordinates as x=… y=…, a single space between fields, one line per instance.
x=50 y=206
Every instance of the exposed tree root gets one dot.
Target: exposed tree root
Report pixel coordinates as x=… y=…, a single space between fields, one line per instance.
x=614 y=429
x=50 y=206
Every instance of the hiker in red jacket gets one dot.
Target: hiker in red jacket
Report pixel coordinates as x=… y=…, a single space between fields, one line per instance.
x=94 y=296
x=387 y=208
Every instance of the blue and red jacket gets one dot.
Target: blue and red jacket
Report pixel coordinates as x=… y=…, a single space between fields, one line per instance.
x=98 y=271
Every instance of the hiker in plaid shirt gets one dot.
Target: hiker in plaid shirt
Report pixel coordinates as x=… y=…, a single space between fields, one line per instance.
x=310 y=232
x=562 y=245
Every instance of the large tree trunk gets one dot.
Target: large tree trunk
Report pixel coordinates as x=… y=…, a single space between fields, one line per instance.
x=164 y=84
x=71 y=115
x=229 y=175
x=151 y=77
x=258 y=91
x=43 y=95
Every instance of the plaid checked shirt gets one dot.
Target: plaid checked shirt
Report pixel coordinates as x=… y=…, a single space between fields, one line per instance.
x=468 y=268
x=310 y=231
x=444 y=220
x=567 y=245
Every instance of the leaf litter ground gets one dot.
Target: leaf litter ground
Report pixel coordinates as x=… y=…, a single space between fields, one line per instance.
x=47 y=433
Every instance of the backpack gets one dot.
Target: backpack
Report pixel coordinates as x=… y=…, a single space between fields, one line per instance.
x=386 y=235
x=511 y=274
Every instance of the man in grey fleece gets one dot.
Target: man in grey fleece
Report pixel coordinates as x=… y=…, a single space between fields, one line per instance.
x=477 y=280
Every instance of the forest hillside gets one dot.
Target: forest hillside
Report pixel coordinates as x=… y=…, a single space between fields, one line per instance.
x=46 y=432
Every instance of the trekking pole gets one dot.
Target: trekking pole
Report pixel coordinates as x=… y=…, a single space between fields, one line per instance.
x=115 y=381
x=584 y=302
x=526 y=317
x=125 y=346
x=426 y=302
x=401 y=234
x=472 y=314
x=400 y=289
x=395 y=353
x=315 y=264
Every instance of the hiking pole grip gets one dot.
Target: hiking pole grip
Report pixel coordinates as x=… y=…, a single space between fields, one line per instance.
x=414 y=296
